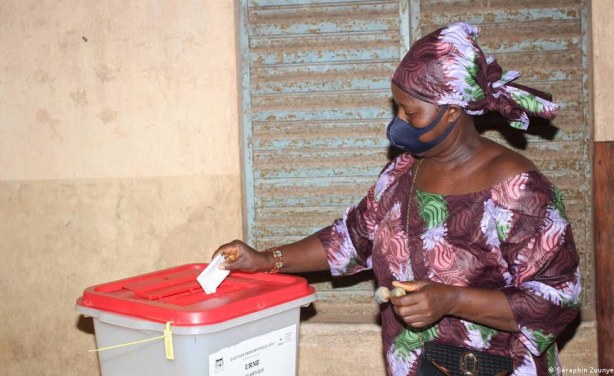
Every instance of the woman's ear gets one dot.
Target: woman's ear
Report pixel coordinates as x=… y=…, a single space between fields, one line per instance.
x=454 y=112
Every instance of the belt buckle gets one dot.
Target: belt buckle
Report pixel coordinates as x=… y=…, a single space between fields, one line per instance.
x=469 y=364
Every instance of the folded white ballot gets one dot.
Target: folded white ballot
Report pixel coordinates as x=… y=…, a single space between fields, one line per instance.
x=211 y=277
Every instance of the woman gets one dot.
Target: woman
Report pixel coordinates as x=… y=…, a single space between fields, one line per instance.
x=476 y=235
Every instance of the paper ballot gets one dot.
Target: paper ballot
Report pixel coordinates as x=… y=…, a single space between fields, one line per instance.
x=211 y=277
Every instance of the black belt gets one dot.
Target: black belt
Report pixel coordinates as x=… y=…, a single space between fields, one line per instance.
x=447 y=360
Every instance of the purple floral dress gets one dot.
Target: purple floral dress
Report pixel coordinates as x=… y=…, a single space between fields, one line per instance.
x=513 y=236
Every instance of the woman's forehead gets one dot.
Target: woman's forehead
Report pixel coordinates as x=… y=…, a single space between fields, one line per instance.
x=401 y=97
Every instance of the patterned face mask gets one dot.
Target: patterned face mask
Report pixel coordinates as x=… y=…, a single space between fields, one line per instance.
x=448 y=67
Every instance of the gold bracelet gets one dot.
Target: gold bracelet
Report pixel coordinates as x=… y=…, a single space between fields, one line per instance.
x=278 y=262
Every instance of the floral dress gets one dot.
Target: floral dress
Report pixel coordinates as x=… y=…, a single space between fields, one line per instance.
x=513 y=236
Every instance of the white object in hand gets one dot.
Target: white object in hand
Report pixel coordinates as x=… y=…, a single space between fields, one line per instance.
x=212 y=276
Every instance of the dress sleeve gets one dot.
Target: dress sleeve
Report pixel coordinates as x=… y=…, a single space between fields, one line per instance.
x=537 y=243
x=349 y=240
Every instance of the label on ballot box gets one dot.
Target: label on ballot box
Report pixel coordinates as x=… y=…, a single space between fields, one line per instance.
x=271 y=354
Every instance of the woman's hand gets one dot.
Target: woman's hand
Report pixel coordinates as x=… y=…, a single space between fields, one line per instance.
x=240 y=256
x=425 y=302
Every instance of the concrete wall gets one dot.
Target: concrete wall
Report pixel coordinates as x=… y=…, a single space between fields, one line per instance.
x=119 y=154
x=602 y=14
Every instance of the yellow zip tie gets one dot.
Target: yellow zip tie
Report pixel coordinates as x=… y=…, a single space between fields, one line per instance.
x=126 y=344
x=168 y=343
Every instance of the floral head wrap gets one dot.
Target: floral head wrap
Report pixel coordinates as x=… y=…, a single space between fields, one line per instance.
x=448 y=67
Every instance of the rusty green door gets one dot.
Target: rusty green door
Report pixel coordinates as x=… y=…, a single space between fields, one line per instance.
x=315 y=80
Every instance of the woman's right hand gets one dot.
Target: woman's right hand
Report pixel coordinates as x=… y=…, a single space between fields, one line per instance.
x=240 y=256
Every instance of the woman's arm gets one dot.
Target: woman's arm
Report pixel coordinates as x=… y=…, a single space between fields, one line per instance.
x=306 y=255
x=427 y=302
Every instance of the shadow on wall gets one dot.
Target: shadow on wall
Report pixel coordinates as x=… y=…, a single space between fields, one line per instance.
x=569 y=332
x=516 y=138
x=85 y=324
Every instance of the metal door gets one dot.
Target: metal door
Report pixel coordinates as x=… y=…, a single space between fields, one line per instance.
x=316 y=100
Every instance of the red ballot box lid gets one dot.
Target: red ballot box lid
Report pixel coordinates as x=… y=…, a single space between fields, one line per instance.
x=175 y=295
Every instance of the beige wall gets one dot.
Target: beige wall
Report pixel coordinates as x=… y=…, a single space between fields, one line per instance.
x=99 y=89
x=602 y=14
x=119 y=154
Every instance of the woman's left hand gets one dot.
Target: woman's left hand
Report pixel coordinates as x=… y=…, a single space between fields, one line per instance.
x=425 y=302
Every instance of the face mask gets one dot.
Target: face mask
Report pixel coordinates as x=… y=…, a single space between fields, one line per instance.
x=406 y=136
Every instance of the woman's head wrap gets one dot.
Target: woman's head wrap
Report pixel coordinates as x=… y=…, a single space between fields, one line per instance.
x=448 y=67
